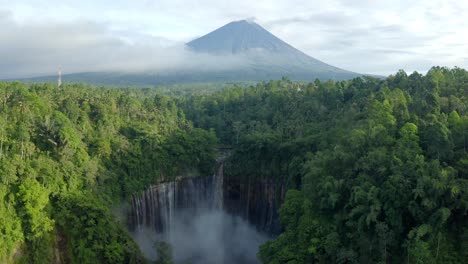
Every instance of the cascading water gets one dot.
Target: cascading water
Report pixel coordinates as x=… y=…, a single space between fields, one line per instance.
x=188 y=214
x=155 y=207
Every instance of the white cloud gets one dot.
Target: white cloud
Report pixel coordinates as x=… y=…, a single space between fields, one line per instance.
x=369 y=36
x=28 y=50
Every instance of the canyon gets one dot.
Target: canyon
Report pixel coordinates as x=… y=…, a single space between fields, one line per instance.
x=207 y=219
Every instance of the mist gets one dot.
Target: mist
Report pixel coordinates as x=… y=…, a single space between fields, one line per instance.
x=38 y=49
x=207 y=237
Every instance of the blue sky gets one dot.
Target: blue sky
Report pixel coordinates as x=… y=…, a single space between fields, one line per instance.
x=368 y=36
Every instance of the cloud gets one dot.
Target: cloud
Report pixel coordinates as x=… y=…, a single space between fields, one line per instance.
x=380 y=36
x=328 y=18
x=395 y=51
x=353 y=35
x=86 y=46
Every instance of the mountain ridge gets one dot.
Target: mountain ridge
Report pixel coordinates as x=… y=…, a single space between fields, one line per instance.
x=264 y=56
x=243 y=36
x=236 y=32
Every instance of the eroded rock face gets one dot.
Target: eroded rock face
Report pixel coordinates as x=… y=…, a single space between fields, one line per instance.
x=155 y=207
x=201 y=223
x=258 y=202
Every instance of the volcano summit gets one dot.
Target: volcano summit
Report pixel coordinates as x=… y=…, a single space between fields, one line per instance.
x=236 y=52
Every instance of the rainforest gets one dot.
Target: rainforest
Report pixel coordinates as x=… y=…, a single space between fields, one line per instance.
x=367 y=170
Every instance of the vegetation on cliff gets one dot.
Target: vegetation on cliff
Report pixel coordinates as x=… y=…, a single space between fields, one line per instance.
x=378 y=168
x=67 y=156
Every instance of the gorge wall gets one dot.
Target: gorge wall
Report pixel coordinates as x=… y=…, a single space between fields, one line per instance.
x=214 y=219
x=155 y=207
x=256 y=201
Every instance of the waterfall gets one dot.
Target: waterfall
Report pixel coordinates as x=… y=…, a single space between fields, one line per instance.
x=209 y=220
x=219 y=187
x=155 y=207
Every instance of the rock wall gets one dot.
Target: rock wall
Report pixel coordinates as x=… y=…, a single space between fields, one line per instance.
x=155 y=207
x=255 y=201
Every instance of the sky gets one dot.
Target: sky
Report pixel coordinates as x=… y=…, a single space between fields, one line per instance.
x=365 y=36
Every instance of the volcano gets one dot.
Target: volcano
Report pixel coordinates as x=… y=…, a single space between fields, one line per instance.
x=259 y=56
x=267 y=56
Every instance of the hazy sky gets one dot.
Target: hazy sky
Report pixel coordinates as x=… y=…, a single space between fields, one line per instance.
x=367 y=36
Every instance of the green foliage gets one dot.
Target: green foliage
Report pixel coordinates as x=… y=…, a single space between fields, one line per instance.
x=381 y=165
x=33 y=199
x=378 y=168
x=11 y=233
x=67 y=155
x=97 y=238
x=164 y=251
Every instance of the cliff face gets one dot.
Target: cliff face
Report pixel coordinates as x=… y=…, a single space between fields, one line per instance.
x=255 y=201
x=155 y=207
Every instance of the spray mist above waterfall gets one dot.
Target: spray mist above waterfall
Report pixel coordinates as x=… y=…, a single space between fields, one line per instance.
x=188 y=214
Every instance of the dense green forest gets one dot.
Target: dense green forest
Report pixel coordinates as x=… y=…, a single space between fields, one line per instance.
x=377 y=169
x=69 y=155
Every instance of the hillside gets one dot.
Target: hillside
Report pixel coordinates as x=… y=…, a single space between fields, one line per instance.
x=266 y=53
x=259 y=56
